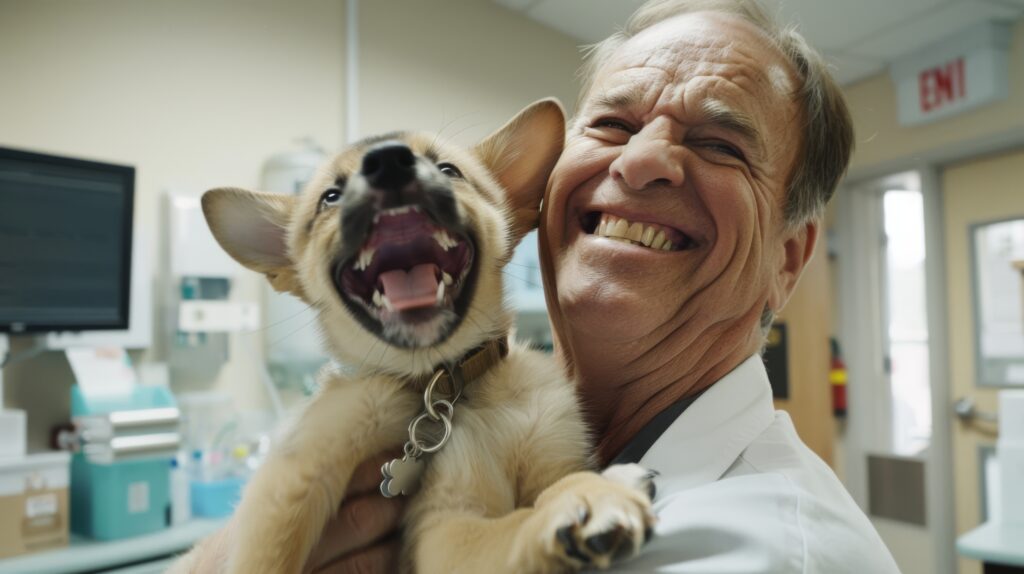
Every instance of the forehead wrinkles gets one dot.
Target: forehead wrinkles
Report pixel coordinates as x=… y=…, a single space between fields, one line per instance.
x=664 y=68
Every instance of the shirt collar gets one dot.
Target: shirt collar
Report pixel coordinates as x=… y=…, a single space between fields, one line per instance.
x=710 y=435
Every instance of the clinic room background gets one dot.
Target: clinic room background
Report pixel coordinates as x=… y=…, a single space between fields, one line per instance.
x=900 y=357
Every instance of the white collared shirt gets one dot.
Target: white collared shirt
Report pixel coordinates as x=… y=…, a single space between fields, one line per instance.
x=739 y=492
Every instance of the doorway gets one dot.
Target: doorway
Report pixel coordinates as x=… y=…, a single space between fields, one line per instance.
x=892 y=333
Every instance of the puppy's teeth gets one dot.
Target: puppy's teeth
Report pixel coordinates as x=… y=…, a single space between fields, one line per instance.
x=447 y=278
x=364 y=260
x=442 y=239
x=440 y=294
x=667 y=246
x=386 y=303
x=377 y=299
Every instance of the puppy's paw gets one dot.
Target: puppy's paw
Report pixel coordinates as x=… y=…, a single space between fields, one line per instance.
x=592 y=520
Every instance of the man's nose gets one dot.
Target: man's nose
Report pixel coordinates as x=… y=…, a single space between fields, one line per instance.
x=389 y=166
x=651 y=157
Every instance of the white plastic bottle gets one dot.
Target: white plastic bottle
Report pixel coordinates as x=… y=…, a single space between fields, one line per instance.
x=181 y=503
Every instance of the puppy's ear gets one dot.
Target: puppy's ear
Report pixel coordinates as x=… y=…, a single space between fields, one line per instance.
x=521 y=155
x=253 y=227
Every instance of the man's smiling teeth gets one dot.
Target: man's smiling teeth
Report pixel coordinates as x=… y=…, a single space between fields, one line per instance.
x=619 y=229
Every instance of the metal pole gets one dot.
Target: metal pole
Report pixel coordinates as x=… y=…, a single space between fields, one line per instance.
x=4 y=348
x=352 y=72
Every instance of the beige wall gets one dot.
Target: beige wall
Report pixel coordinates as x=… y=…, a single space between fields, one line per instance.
x=458 y=67
x=197 y=94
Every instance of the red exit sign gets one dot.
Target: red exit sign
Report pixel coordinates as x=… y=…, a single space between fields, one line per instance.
x=962 y=72
x=942 y=85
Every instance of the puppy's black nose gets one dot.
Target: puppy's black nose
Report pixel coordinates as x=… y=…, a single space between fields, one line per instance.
x=389 y=166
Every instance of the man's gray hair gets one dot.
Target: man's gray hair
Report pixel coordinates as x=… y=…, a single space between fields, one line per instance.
x=827 y=141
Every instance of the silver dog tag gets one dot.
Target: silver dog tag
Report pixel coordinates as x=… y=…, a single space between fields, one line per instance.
x=401 y=476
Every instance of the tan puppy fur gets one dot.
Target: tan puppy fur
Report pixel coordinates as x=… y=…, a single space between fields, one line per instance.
x=510 y=491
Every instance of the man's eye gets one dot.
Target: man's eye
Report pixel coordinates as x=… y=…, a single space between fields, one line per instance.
x=450 y=170
x=724 y=147
x=614 y=124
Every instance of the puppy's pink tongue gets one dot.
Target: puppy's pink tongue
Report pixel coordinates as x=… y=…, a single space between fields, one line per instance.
x=411 y=289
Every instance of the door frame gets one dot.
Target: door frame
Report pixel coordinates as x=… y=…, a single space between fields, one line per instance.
x=869 y=425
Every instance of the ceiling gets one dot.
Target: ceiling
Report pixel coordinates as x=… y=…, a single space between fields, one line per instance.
x=859 y=38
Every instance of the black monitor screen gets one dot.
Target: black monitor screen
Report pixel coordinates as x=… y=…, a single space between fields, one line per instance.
x=65 y=243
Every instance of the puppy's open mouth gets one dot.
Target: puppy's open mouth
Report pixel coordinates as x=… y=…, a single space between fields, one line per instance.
x=409 y=269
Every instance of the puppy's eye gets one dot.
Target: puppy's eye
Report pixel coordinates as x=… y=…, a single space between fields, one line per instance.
x=330 y=197
x=450 y=170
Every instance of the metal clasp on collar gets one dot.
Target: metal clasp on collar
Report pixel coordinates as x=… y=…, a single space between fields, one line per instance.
x=402 y=476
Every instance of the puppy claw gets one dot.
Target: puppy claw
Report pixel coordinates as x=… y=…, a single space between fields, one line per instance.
x=633 y=476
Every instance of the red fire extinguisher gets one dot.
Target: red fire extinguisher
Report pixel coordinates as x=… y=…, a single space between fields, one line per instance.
x=837 y=380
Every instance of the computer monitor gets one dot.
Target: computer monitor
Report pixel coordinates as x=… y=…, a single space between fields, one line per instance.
x=65 y=243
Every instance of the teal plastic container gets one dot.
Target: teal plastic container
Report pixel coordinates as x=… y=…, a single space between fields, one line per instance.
x=122 y=499
x=119 y=500
x=216 y=498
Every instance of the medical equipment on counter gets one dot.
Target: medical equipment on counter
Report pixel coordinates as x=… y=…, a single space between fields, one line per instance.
x=293 y=346
x=120 y=474
x=33 y=503
x=71 y=219
x=222 y=448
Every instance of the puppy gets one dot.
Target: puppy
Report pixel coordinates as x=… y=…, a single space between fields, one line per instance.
x=399 y=244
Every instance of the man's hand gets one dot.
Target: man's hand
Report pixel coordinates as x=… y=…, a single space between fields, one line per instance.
x=362 y=537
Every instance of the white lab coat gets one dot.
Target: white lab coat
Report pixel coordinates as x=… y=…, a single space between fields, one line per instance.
x=740 y=493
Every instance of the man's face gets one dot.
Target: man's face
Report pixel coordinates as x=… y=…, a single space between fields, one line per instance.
x=689 y=129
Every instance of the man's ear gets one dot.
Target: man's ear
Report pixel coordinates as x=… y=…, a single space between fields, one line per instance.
x=521 y=155
x=253 y=228
x=797 y=250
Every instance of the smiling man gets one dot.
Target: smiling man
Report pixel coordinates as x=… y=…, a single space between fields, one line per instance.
x=679 y=218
